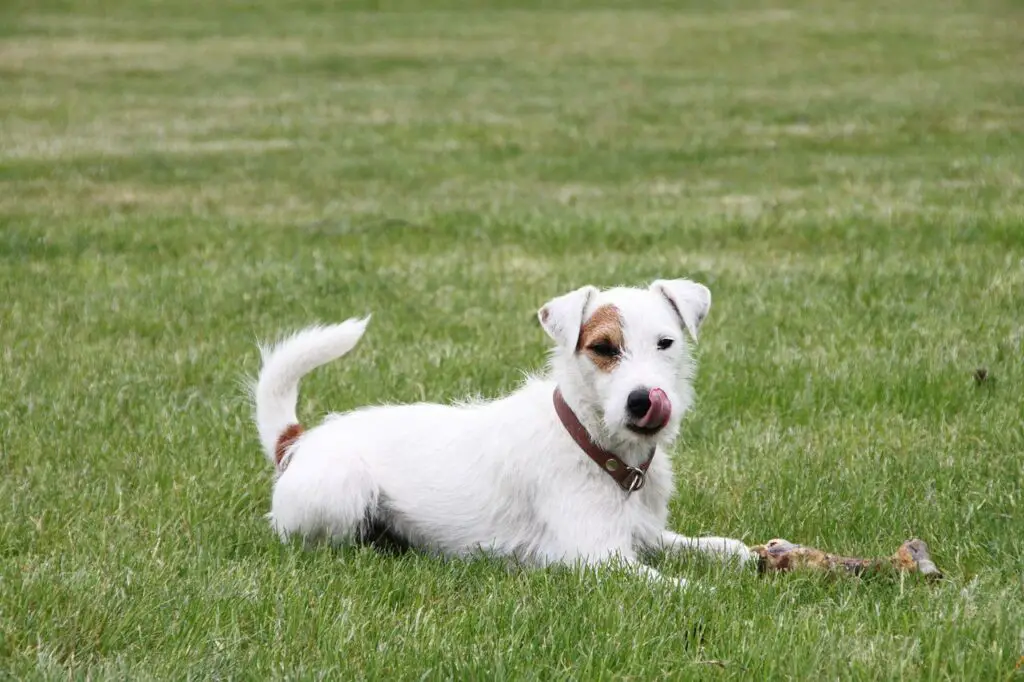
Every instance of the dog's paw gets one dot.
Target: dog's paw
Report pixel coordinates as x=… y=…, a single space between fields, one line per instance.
x=734 y=551
x=689 y=587
x=695 y=588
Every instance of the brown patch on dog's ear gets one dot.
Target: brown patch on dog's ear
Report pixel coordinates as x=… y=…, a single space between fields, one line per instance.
x=601 y=338
x=284 y=441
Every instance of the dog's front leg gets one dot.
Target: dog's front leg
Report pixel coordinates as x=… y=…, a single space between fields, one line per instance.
x=636 y=567
x=726 y=548
x=653 y=575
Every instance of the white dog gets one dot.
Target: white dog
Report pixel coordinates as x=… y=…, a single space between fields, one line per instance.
x=571 y=468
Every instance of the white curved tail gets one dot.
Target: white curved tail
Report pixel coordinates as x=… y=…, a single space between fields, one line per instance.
x=285 y=363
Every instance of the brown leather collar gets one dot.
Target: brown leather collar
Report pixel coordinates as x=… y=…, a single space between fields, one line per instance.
x=629 y=478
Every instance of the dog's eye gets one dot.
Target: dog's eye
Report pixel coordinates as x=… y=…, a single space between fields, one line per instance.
x=665 y=344
x=604 y=349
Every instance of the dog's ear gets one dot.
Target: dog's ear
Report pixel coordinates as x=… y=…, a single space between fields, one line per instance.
x=562 y=317
x=690 y=300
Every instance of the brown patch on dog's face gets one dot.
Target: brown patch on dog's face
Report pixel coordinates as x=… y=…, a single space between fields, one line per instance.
x=601 y=338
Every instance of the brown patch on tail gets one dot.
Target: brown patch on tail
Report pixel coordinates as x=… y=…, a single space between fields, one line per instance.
x=285 y=440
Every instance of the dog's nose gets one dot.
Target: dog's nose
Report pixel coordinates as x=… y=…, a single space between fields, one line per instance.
x=638 y=403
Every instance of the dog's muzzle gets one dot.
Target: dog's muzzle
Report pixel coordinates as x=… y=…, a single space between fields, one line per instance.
x=649 y=411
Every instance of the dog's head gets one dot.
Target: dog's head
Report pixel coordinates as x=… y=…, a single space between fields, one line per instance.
x=622 y=354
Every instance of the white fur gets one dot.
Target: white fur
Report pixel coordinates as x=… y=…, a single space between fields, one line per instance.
x=501 y=476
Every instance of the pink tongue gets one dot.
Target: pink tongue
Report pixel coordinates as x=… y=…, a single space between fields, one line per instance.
x=661 y=410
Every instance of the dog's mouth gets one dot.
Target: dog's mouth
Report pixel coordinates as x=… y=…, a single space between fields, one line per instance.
x=657 y=414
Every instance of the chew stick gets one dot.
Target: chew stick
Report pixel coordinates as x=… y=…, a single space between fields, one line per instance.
x=782 y=555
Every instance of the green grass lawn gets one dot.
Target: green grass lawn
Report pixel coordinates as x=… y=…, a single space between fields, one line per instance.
x=179 y=179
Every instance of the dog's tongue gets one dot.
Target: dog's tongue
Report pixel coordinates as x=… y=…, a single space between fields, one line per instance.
x=661 y=410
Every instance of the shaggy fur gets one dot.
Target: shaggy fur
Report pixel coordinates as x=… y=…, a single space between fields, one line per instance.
x=501 y=476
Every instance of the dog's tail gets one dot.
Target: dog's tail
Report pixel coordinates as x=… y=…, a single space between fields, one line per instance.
x=277 y=389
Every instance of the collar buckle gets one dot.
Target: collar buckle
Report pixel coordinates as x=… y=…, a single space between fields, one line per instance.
x=634 y=479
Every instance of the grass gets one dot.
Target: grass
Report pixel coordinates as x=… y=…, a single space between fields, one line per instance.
x=181 y=178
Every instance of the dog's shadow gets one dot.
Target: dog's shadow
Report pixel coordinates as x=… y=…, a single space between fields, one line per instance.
x=379 y=537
